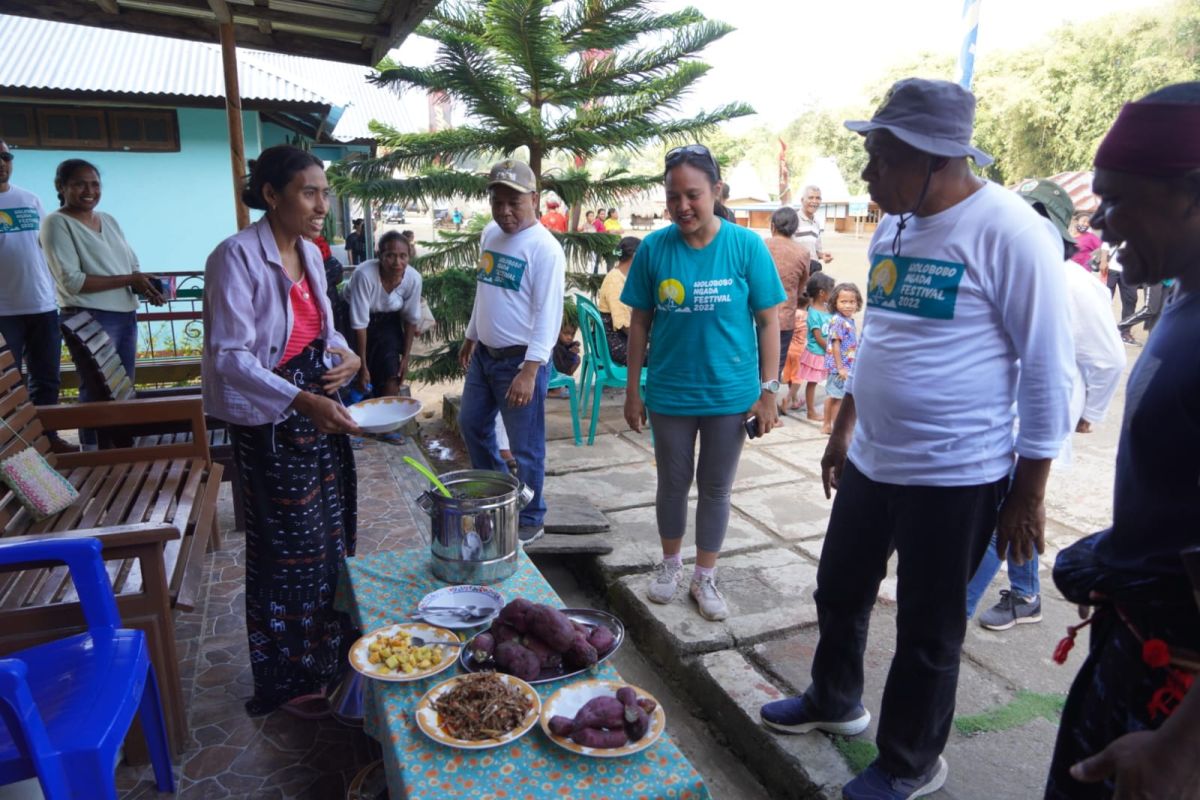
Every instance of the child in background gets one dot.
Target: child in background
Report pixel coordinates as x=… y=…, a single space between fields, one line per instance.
x=812 y=360
x=791 y=367
x=841 y=348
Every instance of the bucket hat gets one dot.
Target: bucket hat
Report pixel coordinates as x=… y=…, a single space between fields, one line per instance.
x=935 y=117
x=1053 y=202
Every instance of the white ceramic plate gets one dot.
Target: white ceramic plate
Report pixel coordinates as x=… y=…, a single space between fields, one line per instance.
x=481 y=598
x=570 y=698
x=359 y=652
x=384 y=414
x=427 y=717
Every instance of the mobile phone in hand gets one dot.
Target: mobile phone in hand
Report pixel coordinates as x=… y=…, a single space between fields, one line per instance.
x=752 y=429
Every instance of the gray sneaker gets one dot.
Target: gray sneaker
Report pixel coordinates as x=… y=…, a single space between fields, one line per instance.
x=665 y=583
x=712 y=604
x=529 y=533
x=1013 y=609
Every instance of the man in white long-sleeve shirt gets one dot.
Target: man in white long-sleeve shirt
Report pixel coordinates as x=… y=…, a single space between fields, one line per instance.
x=964 y=286
x=514 y=324
x=1099 y=364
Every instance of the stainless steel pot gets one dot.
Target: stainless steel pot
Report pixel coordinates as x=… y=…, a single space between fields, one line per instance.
x=475 y=529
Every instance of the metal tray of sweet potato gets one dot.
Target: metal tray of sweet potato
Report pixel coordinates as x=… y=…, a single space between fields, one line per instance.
x=589 y=617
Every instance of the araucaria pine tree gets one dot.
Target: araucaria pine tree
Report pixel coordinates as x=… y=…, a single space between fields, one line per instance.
x=542 y=80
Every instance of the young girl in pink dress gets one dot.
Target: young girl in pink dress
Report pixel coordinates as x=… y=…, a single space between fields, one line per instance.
x=812 y=360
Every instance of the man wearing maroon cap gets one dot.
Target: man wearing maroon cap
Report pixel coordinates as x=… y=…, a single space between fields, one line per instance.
x=1131 y=728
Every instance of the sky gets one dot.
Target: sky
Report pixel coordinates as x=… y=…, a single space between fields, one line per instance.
x=832 y=48
x=788 y=54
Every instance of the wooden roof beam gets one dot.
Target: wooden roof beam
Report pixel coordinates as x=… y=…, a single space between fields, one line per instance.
x=220 y=10
x=109 y=6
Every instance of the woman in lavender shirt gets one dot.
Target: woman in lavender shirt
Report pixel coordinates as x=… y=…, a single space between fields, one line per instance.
x=272 y=365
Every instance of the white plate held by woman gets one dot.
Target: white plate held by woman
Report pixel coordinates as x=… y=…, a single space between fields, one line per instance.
x=567 y=701
x=384 y=414
x=472 y=606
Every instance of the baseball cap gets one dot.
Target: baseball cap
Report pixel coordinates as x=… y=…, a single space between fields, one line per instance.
x=513 y=174
x=935 y=117
x=1052 y=201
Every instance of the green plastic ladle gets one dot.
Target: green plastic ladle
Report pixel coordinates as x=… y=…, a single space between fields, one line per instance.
x=421 y=468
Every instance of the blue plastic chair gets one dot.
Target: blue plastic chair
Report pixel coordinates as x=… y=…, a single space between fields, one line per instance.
x=66 y=706
x=559 y=381
x=598 y=369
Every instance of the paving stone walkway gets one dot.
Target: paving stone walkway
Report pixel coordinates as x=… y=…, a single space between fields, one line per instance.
x=1009 y=689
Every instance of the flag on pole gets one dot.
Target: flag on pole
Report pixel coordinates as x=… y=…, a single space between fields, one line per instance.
x=966 y=55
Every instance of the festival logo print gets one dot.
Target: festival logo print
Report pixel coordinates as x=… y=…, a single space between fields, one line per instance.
x=920 y=287
x=17 y=220
x=501 y=270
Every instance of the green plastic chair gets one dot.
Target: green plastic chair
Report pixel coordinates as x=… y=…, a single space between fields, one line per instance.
x=559 y=381
x=597 y=370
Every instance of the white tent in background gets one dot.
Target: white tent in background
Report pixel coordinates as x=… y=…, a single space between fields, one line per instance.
x=745 y=185
x=824 y=172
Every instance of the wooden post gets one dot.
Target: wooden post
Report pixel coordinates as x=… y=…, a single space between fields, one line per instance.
x=233 y=111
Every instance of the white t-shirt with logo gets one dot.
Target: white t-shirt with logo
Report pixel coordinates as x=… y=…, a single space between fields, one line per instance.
x=25 y=283
x=967 y=326
x=519 y=290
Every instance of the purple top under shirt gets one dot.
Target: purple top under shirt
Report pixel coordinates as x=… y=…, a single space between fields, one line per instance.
x=247 y=321
x=1087 y=244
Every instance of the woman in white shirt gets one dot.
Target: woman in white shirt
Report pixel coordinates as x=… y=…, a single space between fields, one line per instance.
x=385 y=310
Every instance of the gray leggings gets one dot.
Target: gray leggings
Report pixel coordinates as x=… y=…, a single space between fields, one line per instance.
x=721 y=441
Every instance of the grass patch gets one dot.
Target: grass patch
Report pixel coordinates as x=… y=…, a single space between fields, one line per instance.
x=1025 y=707
x=858 y=753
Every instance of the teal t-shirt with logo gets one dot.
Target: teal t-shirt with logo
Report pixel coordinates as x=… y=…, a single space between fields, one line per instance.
x=704 y=339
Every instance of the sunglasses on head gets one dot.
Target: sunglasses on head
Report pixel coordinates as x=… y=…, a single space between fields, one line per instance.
x=678 y=154
x=6 y=156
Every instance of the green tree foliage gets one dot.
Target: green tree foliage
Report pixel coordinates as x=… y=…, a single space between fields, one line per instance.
x=1041 y=110
x=547 y=81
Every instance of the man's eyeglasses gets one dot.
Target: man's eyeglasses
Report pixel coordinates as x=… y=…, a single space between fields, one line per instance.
x=678 y=154
x=6 y=156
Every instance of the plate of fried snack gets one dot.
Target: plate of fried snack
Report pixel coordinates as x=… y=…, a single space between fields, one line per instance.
x=479 y=710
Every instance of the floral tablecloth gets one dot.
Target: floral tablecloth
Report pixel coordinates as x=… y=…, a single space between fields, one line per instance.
x=386 y=587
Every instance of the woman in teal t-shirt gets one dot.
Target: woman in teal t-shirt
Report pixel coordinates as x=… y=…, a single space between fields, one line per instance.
x=707 y=292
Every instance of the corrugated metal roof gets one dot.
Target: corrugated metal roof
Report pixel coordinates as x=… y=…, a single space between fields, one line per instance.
x=55 y=56
x=1079 y=187
x=346 y=85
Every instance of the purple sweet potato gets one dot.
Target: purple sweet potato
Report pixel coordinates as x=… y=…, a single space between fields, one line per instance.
x=550 y=659
x=551 y=626
x=600 y=712
x=580 y=655
x=602 y=639
x=647 y=704
x=561 y=726
x=598 y=738
x=516 y=613
x=482 y=646
x=637 y=722
x=515 y=659
x=627 y=696
x=503 y=632
x=580 y=627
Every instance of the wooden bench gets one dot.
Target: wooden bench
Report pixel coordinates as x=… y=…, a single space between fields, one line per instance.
x=100 y=368
x=152 y=508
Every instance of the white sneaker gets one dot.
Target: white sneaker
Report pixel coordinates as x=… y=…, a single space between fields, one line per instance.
x=710 y=600
x=665 y=583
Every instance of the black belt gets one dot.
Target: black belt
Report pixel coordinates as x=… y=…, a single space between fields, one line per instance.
x=506 y=352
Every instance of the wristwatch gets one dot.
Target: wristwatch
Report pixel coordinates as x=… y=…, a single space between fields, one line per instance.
x=771 y=386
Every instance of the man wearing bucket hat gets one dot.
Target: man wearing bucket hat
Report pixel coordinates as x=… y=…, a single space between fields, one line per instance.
x=514 y=325
x=965 y=283
x=1099 y=364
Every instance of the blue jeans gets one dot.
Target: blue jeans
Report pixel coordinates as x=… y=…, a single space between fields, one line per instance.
x=483 y=396
x=36 y=339
x=121 y=327
x=1022 y=578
